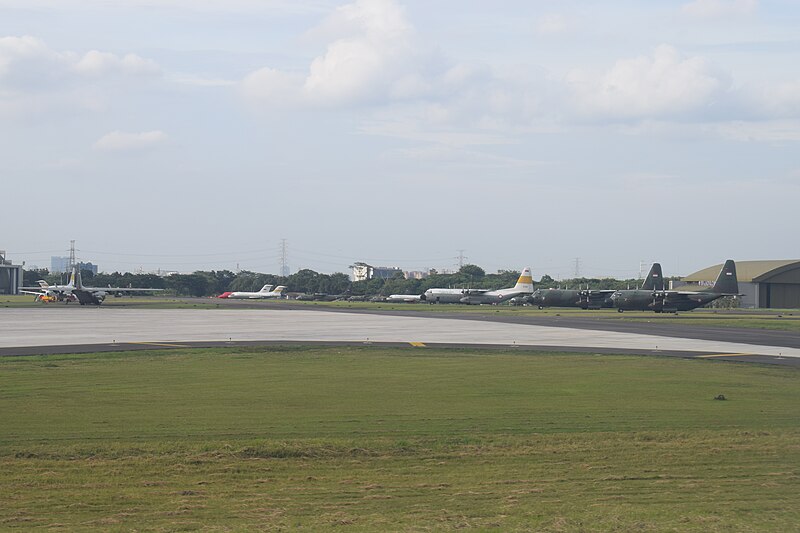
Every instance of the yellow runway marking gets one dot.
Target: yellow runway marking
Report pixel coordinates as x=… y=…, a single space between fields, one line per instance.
x=723 y=355
x=418 y=344
x=160 y=344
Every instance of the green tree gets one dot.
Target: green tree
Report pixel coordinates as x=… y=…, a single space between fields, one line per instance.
x=30 y=277
x=188 y=284
x=474 y=272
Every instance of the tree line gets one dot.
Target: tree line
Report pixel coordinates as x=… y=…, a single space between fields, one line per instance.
x=214 y=282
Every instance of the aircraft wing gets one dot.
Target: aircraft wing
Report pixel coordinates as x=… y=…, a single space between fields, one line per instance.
x=113 y=290
x=35 y=293
x=684 y=296
x=474 y=291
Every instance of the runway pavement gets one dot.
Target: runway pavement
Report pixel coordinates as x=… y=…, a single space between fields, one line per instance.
x=60 y=330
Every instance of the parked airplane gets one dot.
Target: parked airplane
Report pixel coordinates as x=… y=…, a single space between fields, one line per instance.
x=75 y=290
x=48 y=293
x=593 y=298
x=322 y=297
x=265 y=293
x=481 y=296
x=583 y=298
x=668 y=301
x=404 y=298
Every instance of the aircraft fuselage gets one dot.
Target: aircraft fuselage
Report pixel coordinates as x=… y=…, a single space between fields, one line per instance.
x=660 y=302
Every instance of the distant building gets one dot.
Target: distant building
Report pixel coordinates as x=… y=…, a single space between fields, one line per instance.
x=365 y=272
x=88 y=266
x=416 y=274
x=764 y=284
x=59 y=265
x=10 y=275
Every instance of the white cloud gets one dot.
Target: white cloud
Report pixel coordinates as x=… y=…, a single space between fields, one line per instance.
x=34 y=78
x=662 y=85
x=27 y=61
x=120 y=141
x=371 y=58
x=707 y=9
x=551 y=24
x=97 y=63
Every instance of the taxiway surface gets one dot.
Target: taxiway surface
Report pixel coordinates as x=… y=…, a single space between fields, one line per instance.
x=23 y=330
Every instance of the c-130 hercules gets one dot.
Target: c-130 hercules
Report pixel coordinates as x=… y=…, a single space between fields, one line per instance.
x=669 y=301
x=592 y=298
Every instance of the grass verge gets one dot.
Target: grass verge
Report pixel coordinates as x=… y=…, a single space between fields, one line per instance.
x=364 y=439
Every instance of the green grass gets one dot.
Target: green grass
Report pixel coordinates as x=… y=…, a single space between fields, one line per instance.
x=365 y=439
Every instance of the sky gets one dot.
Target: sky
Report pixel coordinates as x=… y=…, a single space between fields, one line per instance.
x=573 y=137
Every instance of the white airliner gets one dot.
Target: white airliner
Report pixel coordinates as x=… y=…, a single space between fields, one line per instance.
x=265 y=292
x=482 y=296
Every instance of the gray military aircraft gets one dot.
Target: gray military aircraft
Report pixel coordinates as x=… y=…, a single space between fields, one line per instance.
x=668 y=301
x=653 y=282
x=75 y=290
x=591 y=298
x=583 y=298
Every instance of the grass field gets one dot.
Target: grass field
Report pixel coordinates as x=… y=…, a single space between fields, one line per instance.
x=368 y=438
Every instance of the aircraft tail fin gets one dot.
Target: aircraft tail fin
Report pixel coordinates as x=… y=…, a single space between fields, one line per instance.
x=75 y=280
x=279 y=289
x=525 y=281
x=654 y=280
x=266 y=288
x=43 y=284
x=727 y=282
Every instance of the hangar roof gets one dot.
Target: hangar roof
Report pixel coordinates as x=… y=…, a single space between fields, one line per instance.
x=748 y=271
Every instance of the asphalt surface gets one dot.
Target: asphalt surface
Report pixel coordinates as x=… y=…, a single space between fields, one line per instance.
x=654 y=327
x=77 y=329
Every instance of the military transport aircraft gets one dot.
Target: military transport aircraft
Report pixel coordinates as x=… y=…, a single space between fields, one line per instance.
x=591 y=298
x=669 y=301
x=481 y=296
x=265 y=293
x=583 y=298
x=75 y=290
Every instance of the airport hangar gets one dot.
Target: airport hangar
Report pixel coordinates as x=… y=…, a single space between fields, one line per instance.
x=764 y=284
x=10 y=276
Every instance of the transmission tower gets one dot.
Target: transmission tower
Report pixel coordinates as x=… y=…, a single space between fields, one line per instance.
x=577 y=267
x=284 y=258
x=461 y=258
x=72 y=262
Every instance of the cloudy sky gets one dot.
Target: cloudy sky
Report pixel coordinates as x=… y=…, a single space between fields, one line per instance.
x=196 y=134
